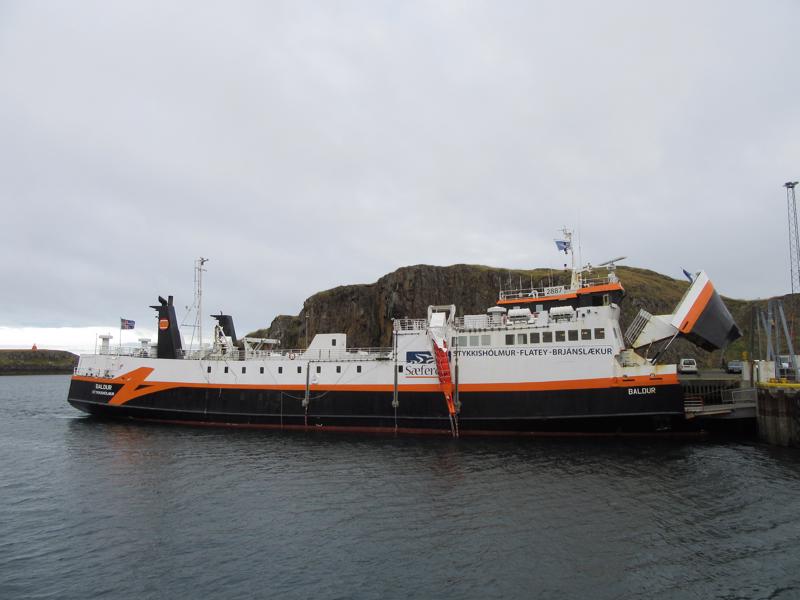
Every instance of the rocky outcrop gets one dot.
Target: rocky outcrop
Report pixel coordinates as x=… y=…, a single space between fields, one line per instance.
x=26 y=362
x=365 y=312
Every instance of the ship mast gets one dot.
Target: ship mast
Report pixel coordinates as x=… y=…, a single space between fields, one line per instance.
x=575 y=281
x=198 y=296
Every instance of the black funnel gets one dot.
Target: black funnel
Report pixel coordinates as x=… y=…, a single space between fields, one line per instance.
x=226 y=322
x=169 y=336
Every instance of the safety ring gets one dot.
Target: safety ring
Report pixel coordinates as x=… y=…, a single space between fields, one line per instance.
x=291 y=356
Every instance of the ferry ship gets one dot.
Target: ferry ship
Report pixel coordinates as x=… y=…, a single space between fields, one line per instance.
x=550 y=359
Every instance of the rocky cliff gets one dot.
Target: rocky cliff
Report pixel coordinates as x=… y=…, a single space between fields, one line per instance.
x=364 y=312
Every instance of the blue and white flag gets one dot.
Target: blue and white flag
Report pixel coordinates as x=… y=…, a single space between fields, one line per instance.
x=126 y=324
x=563 y=245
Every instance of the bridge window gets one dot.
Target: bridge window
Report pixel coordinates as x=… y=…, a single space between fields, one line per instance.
x=486 y=340
x=572 y=335
x=561 y=335
x=474 y=340
x=599 y=333
x=522 y=338
x=547 y=337
x=510 y=339
x=462 y=341
x=535 y=338
x=586 y=334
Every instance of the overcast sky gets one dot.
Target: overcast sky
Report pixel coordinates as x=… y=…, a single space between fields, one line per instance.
x=304 y=145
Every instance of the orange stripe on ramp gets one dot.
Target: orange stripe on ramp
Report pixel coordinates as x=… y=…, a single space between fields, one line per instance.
x=697 y=308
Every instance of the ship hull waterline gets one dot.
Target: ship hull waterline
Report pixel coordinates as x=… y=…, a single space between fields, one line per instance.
x=599 y=411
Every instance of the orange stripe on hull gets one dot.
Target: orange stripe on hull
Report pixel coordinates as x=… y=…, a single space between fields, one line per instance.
x=134 y=385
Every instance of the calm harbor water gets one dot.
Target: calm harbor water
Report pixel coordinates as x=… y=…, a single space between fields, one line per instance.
x=96 y=509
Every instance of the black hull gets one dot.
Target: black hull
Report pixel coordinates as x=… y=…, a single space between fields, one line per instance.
x=611 y=410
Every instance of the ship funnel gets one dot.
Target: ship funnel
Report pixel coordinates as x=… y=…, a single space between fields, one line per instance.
x=701 y=317
x=226 y=322
x=169 y=336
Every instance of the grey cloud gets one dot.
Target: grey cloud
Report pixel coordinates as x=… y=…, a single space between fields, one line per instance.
x=307 y=145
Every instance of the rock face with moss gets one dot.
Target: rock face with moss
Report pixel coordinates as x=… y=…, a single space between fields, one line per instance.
x=29 y=362
x=364 y=312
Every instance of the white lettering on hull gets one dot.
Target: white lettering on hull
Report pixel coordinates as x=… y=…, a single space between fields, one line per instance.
x=639 y=391
x=103 y=389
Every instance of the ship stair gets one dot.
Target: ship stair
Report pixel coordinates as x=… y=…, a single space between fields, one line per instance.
x=439 y=317
x=446 y=383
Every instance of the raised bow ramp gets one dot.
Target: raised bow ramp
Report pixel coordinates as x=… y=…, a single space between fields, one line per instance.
x=701 y=317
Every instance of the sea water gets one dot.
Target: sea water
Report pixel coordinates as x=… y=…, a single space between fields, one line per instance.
x=98 y=509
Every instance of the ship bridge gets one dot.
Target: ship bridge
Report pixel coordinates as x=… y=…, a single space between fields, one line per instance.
x=588 y=292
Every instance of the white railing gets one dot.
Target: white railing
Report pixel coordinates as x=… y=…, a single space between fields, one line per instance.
x=515 y=294
x=553 y=290
x=410 y=324
x=326 y=354
x=745 y=396
x=472 y=322
x=128 y=351
x=332 y=354
x=597 y=281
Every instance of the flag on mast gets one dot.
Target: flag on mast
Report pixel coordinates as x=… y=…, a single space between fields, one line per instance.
x=127 y=324
x=563 y=245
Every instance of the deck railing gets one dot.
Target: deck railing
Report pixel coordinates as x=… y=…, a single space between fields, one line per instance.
x=316 y=354
x=410 y=324
x=553 y=290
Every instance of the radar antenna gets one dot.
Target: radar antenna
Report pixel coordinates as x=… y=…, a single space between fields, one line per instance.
x=610 y=263
x=611 y=266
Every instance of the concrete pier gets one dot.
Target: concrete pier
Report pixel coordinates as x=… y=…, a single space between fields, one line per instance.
x=778 y=413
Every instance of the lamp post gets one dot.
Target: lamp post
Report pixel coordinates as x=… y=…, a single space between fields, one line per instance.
x=794 y=237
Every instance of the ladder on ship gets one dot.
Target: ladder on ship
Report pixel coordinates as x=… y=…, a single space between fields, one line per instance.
x=437 y=327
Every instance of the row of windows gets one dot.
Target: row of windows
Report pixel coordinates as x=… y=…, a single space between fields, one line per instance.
x=546 y=337
x=472 y=340
x=299 y=369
